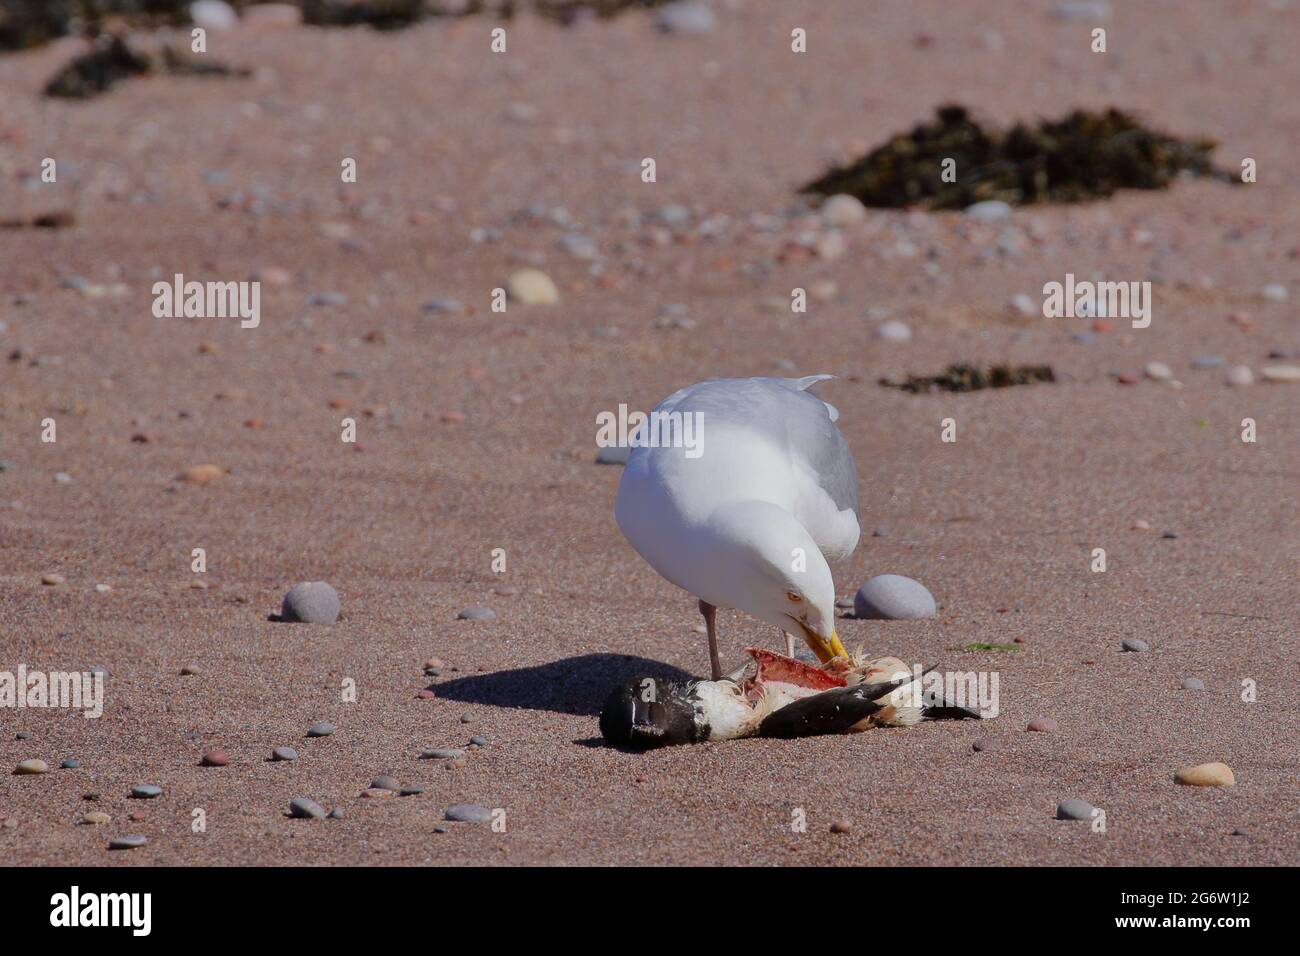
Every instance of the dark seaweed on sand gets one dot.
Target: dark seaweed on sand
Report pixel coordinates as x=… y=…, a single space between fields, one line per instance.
x=1083 y=156
x=113 y=60
x=972 y=378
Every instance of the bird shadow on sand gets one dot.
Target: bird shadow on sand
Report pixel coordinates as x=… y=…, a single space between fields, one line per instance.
x=574 y=685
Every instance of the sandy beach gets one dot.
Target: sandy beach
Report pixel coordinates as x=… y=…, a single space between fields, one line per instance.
x=475 y=431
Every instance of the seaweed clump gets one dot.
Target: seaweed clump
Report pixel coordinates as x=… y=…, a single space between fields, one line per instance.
x=1084 y=156
x=113 y=60
x=972 y=378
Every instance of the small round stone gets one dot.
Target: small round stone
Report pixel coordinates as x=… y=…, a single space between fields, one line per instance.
x=476 y=614
x=284 y=753
x=129 y=842
x=1043 y=725
x=1208 y=362
x=1158 y=371
x=146 y=791
x=23 y=735
x=1206 y=775
x=29 y=767
x=385 y=782
x=375 y=793
x=1280 y=373
x=1135 y=645
x=478 y=740
x=321 y=729
x=841 y=826
x=336 y=814
x=843 y=210
x=992 y=742
x=311 y=602
x=72 y=763
x=189 y=671
x=894 y=331
x=990 y=210
x=1240 y=376
x=214 y=758
x=686 y=16
x=411 y=791
x=1193 y=683
x=53 y=579
x=468 y=813
x=892 y=597
x=96 y=818
x=1075 y=809
x=441 y=753
x=305 y=808
x=532 y=287
x=201 y=474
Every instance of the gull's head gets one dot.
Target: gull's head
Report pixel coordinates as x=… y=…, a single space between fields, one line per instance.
x=771 y=568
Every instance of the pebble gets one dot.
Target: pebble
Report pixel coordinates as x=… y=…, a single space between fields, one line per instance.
x=990 y=210
x=52 y=579
x=1043 y=725
x=1023 y=304
x=305 y=808
x=476 y=614
x=1158 y=371
x=327 y=298
x=96 y=818
x=310 y=602
x=412 y=791
x=892 y=597
x=1280 y=373
x=1240 y=376
x=27 y=767
x=1193 y=683
x=213 y=15
x=1206 y=775
x=62 y=478
x=478 y=740
x=613 y=455
x=894 y=331
x=1208 y=361
x=72 y=763
x=441 y=753
x=1074 y=809
x=284 y=753
x=1274 y=292
x=320 y=729
x=201 y=474
x=993 y=742
x=830 y=245
x=266 y=15
x=532 y=287
x=841 y=826
x=451 y=306
x=1135 y=645
x=23 y=735
x=189 y=671
x=146 y=791
x=686 y=16
x=336 y=814
x=214 y=758
x=128 y=842
x=385 y=782
x=376 y=793
x=468 y=813
x=578 y=245
x=843 y=210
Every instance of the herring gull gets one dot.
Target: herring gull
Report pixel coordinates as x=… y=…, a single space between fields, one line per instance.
x=747 y=514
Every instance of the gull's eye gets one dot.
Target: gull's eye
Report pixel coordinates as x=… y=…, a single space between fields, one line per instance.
x=794 y=596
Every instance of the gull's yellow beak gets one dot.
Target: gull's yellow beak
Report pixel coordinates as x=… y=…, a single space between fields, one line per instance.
x=826 y=650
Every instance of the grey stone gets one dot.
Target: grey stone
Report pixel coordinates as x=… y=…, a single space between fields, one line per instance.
x=892 y=597
x=146 y=791
x=311 y=602
x=441 y=753
x=412 y=791
x=128 y=842
x=305 y=808
x=894 y=331
x=990 y=210
x=71 y=763
x=1207 y=361
x=613 y=455
x=284 y=753
x=478 y=740
x=476 y=614
x=468 y=813
x=385 y=782
x=1193 y=683
x=320 y=729
x=1135 y=645
x=1075 y=809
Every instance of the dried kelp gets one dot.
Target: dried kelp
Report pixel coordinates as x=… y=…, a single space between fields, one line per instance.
x=972 y=378
x=113 y=60
x=1083 y=156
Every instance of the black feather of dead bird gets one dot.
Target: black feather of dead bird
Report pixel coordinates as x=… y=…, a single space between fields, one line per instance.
x=112 y=59
x=1084 y=155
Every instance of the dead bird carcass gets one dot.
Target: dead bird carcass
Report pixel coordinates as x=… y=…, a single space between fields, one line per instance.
x=776 y=696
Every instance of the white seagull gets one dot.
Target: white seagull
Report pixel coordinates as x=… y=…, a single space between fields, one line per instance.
x=749 y=516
